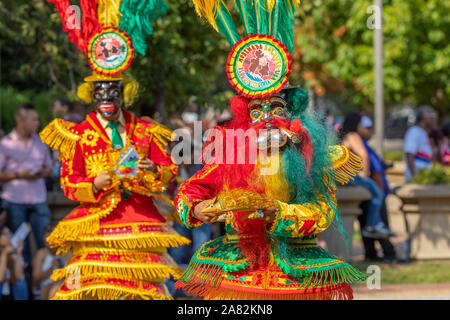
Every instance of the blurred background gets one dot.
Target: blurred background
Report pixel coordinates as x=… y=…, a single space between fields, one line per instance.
x=182 y=80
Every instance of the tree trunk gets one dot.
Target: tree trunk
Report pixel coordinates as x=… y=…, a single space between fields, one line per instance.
x=160 y=102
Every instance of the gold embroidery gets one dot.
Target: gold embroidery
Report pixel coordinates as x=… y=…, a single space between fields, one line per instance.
x=90 y=138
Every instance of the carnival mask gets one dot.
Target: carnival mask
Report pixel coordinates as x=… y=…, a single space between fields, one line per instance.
x=107 y=98
x=268 y=118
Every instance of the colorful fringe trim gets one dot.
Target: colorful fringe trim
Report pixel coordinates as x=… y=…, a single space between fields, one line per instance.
x=336 y=276
x=58 y=136
x=198 y=278
x=121 y=270
x=346 y=172
x=110 y=292
x=142 y=242
x=343 y=292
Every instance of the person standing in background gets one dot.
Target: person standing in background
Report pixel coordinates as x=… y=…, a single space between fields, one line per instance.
x=64 y=109
x=378 y=175
x=351 y=133
x=24 y=164
x=418 y=149
x=444 y=152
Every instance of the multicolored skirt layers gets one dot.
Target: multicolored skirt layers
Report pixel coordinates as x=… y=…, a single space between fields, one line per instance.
x=219 y=271
x=122 y=260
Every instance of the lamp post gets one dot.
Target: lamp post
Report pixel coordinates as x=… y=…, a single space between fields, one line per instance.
x=379 y=84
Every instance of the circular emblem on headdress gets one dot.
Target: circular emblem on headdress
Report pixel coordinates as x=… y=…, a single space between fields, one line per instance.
x=110 y=51
x=258 y=66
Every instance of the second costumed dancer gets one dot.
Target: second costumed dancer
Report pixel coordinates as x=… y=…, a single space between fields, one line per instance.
x=270 y=174
x=114 y=164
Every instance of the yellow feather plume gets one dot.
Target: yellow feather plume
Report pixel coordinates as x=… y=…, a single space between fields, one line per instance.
x=108 y=13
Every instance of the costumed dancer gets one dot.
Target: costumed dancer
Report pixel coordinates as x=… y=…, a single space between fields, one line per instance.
x=114 y=164
x=270 y=175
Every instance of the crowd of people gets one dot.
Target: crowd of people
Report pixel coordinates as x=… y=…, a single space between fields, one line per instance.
x=424 y=144
x=28 y=170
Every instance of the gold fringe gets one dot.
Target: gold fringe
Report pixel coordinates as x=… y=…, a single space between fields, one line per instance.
x=146 y=272
x=58 y=135
x=144 y=242
x=161 y=132
x=345 y=292
x=348 y=170
x=110 y=292
x=67 y=231
x=108 y=13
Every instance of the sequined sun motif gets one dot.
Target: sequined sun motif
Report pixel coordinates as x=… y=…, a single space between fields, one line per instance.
x=96 y=164
x=90 y=138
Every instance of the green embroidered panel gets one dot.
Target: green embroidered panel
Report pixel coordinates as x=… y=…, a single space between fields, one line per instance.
x=312 y=263
x=222 y=253
x=283 y=228
x=184 y=211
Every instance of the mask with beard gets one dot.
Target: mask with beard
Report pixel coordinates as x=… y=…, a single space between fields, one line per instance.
x=107 y=99
x=268 y=118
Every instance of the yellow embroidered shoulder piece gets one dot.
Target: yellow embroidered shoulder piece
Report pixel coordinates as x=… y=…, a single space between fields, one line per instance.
x=159 y=132
x=60 y=135
x=346 y=164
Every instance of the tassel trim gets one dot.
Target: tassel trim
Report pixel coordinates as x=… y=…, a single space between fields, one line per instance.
x=147 y=272
x=110 y=292
x=343 y=292
x=59 y=136
x=336 y=276
x=71 y=229
x=198 y=277
x=346 y=172
x=142 y=242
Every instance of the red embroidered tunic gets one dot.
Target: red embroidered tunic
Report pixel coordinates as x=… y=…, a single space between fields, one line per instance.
x=117 y=237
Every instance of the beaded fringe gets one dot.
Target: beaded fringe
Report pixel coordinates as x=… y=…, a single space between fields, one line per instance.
x=57 y=136
x=346 y=172
x=140 y=272
x=108 y=292
x=344 y=292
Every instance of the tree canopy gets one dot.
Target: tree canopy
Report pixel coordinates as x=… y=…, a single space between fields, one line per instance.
x=186 y=57
x=334 y=51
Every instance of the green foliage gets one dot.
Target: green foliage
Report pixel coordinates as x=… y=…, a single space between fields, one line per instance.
x=10 y=98
x=336 y=53
x=417 y=272
x=437 y=174
x=185 y=57
x=393 y=155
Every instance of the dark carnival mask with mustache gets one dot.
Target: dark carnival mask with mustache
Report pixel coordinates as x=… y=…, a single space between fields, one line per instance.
x=107 y=97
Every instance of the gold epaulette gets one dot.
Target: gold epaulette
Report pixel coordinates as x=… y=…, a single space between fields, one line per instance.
x=346 y=164
x=59 y=136
x=160 y=132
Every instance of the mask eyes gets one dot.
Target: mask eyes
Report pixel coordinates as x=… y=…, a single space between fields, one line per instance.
x=97 y=95
x=278 y=112
x=115 y=93
x=255 y=114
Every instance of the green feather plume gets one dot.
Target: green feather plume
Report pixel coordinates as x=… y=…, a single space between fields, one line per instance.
x=137 y=16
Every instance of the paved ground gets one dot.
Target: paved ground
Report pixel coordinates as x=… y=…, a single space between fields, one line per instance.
x=405 y=292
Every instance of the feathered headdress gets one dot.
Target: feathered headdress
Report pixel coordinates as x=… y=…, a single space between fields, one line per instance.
x=111 y=32
x=259 y=62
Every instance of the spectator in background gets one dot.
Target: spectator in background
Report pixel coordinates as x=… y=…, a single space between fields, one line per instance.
x=12 y=279
x=377 y=174
x=64 y=109
x=444 y=151
x=24 y=163
x=330 y=120
x=351 y=133
x=44 y=262
x=418 y=149
x=200 y=235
